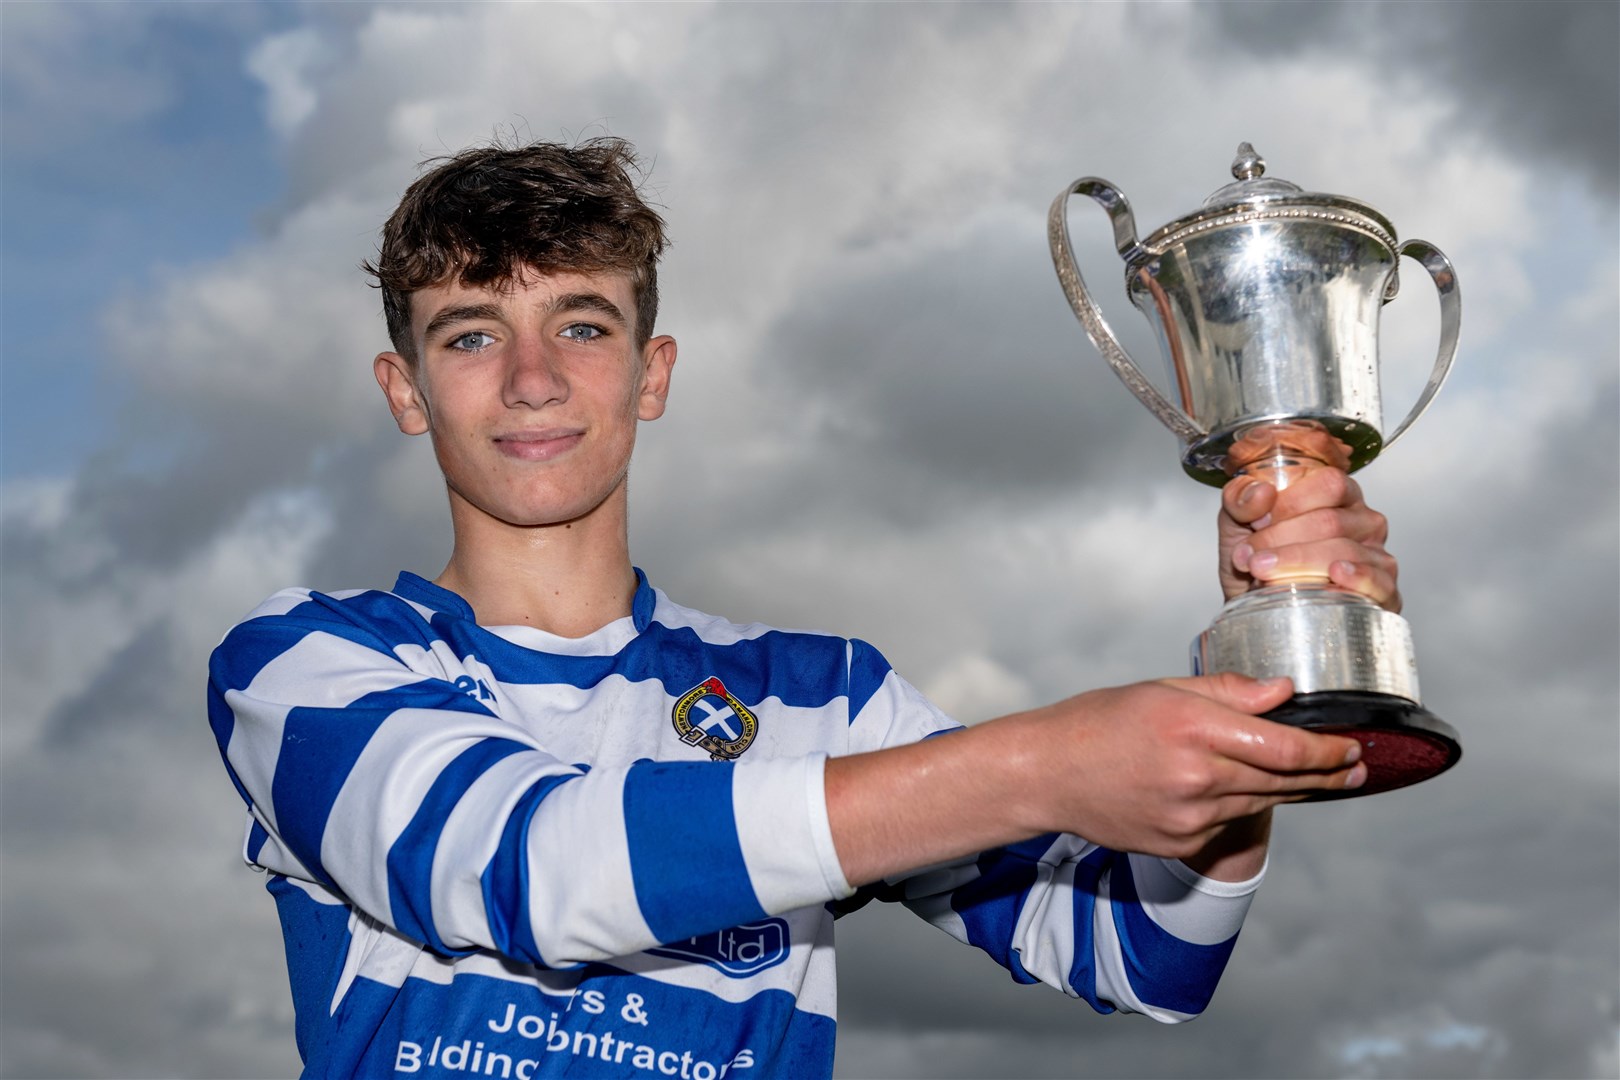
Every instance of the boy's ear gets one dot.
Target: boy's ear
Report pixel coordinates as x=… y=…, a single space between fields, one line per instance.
x=398 y=382
x=658 y=358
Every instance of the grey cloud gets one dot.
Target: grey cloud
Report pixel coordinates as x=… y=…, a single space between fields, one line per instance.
x=156 y=954
x=1326 y=965
x=377 y=529
x=135 y=684
x=1524 y=530
x=1539 y=78
x=963 y=367
x=917 y=393
x=159 y=520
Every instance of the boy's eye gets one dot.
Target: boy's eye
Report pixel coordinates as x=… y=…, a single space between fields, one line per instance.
x=471 y=341
x=582 y=332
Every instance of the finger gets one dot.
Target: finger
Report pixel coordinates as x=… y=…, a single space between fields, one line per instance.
x=1246 y=499
x=1315 y=557
x=1372 y=570
x=1246 y=780
x=1373 y=582
x=1239 y=692
x=1359 y=523
x=1232 y=807
x=1281 y=748
x=1250 y=791
x=1318 y=489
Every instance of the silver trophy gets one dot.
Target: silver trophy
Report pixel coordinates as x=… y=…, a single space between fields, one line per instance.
x=1266 y=303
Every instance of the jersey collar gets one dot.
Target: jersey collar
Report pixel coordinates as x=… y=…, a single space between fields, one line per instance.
x=422 y=591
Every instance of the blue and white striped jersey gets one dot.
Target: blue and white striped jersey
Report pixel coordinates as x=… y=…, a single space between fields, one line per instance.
x=501 y=852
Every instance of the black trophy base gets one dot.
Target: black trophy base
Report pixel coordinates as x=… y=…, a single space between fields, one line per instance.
x=1402 y=743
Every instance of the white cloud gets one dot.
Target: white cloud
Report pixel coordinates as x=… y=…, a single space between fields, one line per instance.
x=972 y=687
x=283 y=329
x=284 y=63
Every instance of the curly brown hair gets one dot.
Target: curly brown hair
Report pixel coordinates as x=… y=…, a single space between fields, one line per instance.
x=489 y=213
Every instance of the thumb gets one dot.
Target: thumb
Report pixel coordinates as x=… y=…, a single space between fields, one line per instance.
x=1246 y=499
x=1239 y=692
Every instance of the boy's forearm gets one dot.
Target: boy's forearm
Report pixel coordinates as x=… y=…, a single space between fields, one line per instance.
x=897 y=810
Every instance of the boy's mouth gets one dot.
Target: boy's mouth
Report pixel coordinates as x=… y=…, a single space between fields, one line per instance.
x=539 y=444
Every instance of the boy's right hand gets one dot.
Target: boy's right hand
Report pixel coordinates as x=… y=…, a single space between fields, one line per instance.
x=1162 y=767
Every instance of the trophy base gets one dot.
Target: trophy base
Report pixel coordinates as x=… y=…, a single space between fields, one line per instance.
x=1402 y=743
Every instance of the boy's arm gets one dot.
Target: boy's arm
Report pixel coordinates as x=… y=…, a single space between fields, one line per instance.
x=1161 y=768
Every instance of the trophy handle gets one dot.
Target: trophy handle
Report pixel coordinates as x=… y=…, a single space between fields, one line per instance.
x=1445 y=279
x=1086 y=309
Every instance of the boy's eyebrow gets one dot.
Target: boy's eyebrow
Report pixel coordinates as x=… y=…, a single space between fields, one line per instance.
x=588 y=301
x=460 y=313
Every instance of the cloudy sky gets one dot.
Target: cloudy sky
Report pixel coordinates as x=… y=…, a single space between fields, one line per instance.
x=886 y=422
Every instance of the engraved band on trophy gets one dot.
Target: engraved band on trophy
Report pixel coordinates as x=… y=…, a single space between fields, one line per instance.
x=1266 y=303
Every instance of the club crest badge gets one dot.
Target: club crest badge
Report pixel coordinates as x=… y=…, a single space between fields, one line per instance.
x=710 y=717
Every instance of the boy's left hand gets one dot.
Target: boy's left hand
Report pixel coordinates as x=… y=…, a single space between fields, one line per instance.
x=1318 y=525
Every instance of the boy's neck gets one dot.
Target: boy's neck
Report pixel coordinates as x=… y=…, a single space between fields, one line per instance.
x=569 y=579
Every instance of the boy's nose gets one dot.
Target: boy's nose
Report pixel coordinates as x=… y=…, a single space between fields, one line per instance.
x=534 y=377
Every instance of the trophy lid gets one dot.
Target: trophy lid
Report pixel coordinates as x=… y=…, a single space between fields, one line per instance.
x=1248 y=170
x=1252 y=196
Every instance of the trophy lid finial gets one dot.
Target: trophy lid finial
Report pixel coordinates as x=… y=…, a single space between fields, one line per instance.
x=1251 y=182
x=1248 y=165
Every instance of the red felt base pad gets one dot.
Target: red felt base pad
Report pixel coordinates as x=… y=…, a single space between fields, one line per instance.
x=1401 y=742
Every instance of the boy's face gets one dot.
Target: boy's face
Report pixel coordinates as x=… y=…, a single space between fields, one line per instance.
x=531 y=393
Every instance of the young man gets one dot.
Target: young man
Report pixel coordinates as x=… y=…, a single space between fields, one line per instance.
x=535 y=818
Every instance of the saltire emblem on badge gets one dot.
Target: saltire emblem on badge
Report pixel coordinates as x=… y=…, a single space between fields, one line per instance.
x=710 y=717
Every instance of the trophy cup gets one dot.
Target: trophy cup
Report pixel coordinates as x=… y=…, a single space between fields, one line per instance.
x=1265 y=302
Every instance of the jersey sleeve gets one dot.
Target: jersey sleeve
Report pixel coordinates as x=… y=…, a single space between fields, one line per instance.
x=410 y=798
x=1123 y=931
